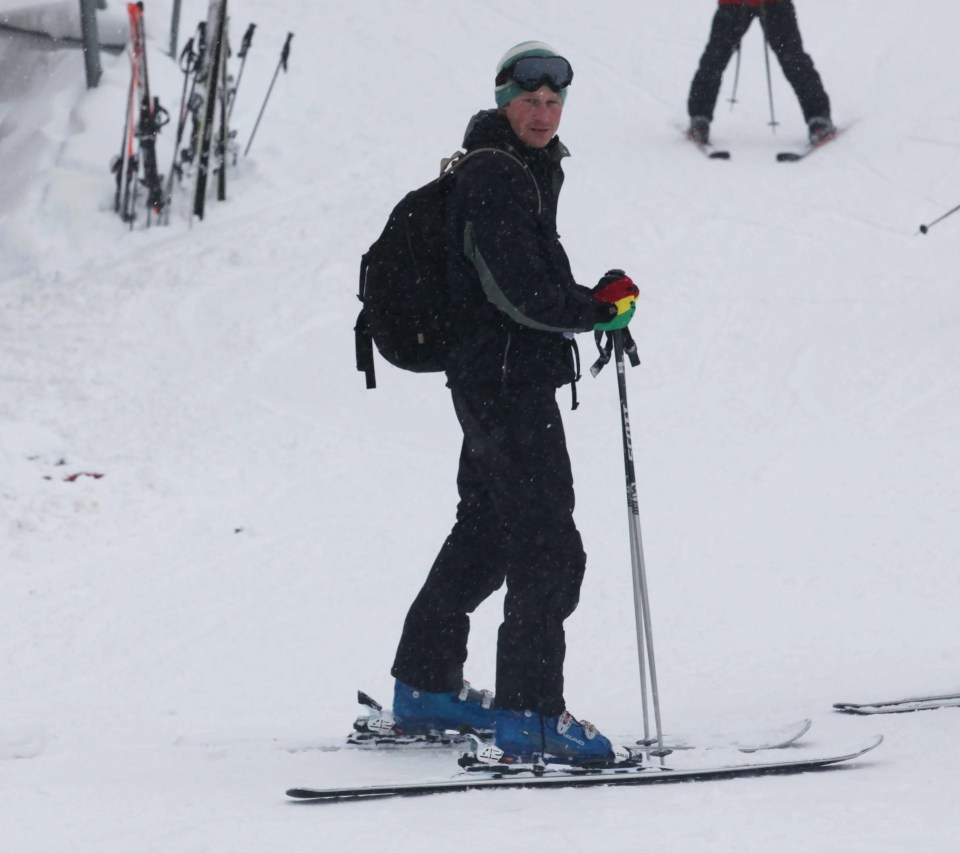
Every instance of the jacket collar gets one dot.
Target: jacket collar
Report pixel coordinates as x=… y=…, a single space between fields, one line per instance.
x=490 y=129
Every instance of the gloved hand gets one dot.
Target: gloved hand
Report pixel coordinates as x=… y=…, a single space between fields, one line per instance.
x=618 y=294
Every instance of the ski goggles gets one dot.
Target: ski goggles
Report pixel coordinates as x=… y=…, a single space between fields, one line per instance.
x=532 y=72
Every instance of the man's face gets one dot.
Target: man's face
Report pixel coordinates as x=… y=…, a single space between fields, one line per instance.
x=535 y=116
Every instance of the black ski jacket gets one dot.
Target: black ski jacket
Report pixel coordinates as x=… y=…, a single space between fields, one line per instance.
x=515 y=303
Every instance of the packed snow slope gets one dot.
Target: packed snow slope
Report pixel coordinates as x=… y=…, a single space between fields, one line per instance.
x=210 y=531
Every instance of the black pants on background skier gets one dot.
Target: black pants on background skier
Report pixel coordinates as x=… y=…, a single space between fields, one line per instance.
x=779 y=21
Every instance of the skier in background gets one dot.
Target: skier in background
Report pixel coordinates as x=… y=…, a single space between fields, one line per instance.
x=516 y=308
x=779 y=21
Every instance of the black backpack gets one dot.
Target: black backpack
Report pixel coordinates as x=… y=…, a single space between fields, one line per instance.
x=403 y=281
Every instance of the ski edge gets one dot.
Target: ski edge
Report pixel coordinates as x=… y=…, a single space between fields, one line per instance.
x=637 y=776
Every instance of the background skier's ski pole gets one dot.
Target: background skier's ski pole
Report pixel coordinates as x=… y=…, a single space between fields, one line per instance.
x=284 y=56
x=736 y=80
x=766 y=59
x=736 y=75
x=925 y=228
x=640 y=593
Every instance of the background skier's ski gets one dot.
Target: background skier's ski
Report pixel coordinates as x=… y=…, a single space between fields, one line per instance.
x=900 y=706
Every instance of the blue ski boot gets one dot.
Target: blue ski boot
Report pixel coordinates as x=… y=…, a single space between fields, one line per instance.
x=528 y=737
x=417 y=712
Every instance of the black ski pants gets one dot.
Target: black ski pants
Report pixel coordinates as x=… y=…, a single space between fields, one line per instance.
x=779 y=21
x=514 y=524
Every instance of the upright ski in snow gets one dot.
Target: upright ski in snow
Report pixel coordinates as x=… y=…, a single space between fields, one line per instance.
x=142 y=122
x=900 y=706
x=496 y=776
x=211 y=74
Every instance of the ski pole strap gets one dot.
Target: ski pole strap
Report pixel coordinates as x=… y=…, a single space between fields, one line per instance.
x=188 y=58
x=364 y=347
x=575 y=355
x=606 y=349
x=630 y=348
x=363 y=340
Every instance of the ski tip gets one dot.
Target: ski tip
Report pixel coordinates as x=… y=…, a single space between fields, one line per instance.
x=719 y=155
x=854 y=708
x=788 y=157
x=301 y=793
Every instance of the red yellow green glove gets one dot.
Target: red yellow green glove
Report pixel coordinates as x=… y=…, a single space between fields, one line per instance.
x=618 y=294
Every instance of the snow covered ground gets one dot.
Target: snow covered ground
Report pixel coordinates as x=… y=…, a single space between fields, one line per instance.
x=210 y=531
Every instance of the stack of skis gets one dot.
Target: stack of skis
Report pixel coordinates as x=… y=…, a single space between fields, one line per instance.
x=207 y=100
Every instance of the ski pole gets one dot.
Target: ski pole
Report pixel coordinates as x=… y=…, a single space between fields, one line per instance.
x=736 y=73
x=284 y=56
x=736 y=80
x=641 y=595
x=187 y=61
x=242 y=54
x=925 y=228
x=766 y=59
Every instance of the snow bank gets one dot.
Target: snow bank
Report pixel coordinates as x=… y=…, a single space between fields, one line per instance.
x=61 y=20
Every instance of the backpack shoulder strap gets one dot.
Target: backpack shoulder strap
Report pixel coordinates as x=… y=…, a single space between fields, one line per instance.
x=448 y=165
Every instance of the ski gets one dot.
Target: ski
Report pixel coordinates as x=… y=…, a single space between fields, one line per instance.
x=747 y=741
x=127 y=165
x=900 y=706
x=375 y=730
x=497 y=776
x=796 y=156
x=152 y=118
x=707 y=149
x=210 y=75
x=190 y=62
x=756 y=740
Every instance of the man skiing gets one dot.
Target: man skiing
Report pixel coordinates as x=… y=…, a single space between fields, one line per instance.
x=516 y=307
x=779 y=21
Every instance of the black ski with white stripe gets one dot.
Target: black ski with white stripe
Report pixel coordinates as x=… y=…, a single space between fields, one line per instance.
x=500 y=777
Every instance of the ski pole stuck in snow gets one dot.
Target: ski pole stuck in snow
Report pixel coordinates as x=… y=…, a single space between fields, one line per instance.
x=284 y=56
